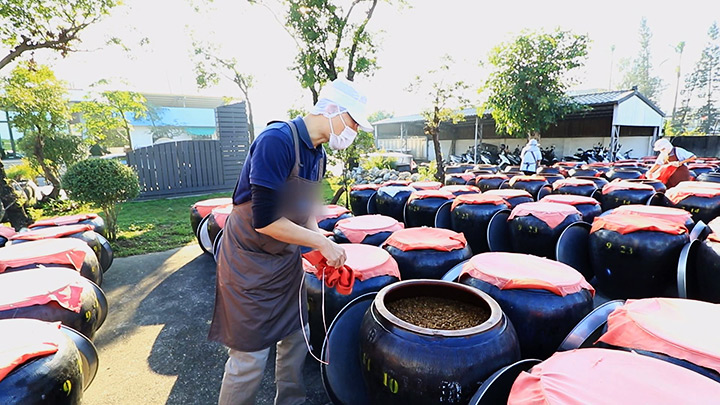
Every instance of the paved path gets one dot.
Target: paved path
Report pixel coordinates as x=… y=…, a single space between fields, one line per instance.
x=153 y=346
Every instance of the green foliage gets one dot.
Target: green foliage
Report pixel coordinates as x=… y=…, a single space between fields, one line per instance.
x=28 y=25
x=59 y=149
x=379 y=115
x=703 y=84
x=296 y=112
x=381 y=162
x=23 y=171
x=527 y=89
x=349 y=158
x=427 y=172
x=104 y=119
x=639 y=72
x=104 y=183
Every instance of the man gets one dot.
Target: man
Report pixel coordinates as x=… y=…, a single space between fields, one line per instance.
x=670 y=166
x=259 y=270
x=531 y=157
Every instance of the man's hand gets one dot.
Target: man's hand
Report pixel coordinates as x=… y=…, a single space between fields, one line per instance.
x=333 y=253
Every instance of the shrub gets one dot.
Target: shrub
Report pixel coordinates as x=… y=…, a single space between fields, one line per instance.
x=379 y=161
x=427 y=172
x=103 y=182
x=23 y=171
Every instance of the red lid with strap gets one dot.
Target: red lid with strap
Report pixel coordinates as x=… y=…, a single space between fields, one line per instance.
x=692 y=166
x=426 y=185
x=67 y=251
x=366 y=261
x=570 y=199
x=356 y=229
x=331 y=211
x=553 y=214
x=20 y=289
x=422 y=194
x=671 y=214
x=477 y=199
x=206 y=206
x=698 y=184
x=519 y=178
x=609 y=377
x=64 y=220
x=628 y=223
x=25 y=339
x=677 y=194
x=572 y=182
x=680 y=328
x=714 y=225
x=358 y=187
x=508 y=271
x=221 y=213
x=507 y=193
x=396 y=183
x=459 y=189
x=616 y=185
x=52 y=232
x=7 y=232
x=714 y=237
x=491 y=176
x=426 y=238
x=465 y=176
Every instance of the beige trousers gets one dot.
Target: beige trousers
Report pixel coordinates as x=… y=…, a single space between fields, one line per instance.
x=244 y=371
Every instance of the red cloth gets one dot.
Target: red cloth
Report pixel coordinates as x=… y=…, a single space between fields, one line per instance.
x=7 y=232
x=569 y=199
x=421 y=194
x=367 y=262
x=206 y=206
x=341 y=279
x=460 y=188
x=356 y=229
x=491 y=176
x=680 y=328
x=65 y=220
x=598 y=164
x=508 y=193
x=515 y=179
x=25 y=339
x=331 y=211
x=52 y=232
x=572 y=182
x=616 y=185
x=477 y=199
x=21 y=289
x=508 y=271
x=610 y=377
x=714 y=225
x=714 y=237
x=664 y=173
x=46 y=251
x=427 y=238
x=624 y=224
x=221 y=213
x=426 y=185
x=553 y=214
x=679 y=193
x=671 y=214
x=698 y=184
x=358 y=187
x=692 y=166
x=396 y=183
x=465 y=176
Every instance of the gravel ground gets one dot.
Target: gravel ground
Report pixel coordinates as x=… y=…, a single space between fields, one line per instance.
x=153 y=346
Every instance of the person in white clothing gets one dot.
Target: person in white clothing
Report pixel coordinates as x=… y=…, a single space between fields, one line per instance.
x=671 y=164
x=531 y=157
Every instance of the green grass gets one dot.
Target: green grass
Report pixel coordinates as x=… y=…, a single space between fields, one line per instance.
x=151 y=226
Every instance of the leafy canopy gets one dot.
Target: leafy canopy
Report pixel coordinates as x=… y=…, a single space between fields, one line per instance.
x=639 y=73
x=527 y=89
x=107 y=116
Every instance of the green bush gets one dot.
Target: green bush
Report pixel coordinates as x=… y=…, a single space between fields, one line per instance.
x=427 y=172
x=381 y=162
x=23 y=171
x=104 y=183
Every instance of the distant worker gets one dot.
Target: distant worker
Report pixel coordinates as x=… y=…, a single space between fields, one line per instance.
x=670 y=166
x=531 y=157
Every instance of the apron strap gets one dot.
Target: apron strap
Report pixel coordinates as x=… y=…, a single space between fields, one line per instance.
x=296 y=141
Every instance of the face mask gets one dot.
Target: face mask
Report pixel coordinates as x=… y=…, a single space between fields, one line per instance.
x=342 y=140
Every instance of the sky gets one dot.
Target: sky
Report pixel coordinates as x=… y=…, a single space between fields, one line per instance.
x=412 y=41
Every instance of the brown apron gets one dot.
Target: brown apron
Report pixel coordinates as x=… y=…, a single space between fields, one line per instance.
x=682 y=173
x=258 y=277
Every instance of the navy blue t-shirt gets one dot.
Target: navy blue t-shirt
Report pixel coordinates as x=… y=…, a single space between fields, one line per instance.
x=272 y=157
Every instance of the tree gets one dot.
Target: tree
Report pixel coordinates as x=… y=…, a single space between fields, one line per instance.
x=445 y=98
x=209 y=68
x=28 y=25
x=705 y=82
x=105 y=183
x=527 y=88
x=40 y=110
x=330 y=39
x=107 y=115
x=639 y=73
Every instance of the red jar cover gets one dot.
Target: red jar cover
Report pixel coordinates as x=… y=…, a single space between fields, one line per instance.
x=206 y=206
x=426 y=185
x=396 y=183
x=616 y=185
x=508 y=271
x=679 y=193
x=460 y=188
x=698 y=184
x=52 y=232
x=7 y=232
x=465 y=176
x=331 y=211
x=426 y=238
x=508 y=193
x=46 y=251
x=628 y=223
x=610 y=377
x=25 y=339
x=671 y=214
x=553 y=214
x=356 y=229
x=221 y=213
x=421 y=194
x=64 y=220
x=570 y=199
x=572 y=182
x=714 y=237
x=491 y=176
x=371 y=186
x=515 y=179
x=22 y=289
x=366 y=261
x=477 y=199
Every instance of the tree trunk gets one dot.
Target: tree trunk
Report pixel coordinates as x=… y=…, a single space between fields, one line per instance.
x=48 y=171
x=14 y=212
x=440 y=174
x=251 y=126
